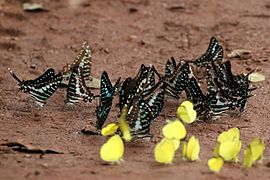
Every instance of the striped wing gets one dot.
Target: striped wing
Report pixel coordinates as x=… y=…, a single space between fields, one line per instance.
x=41 y=88
x=150 y=82
x=107 y=92
x=170 y=67
x=144 y=111
x=72 y=97
x=42 y=79
x=178 y=81
x=42 y=93
x=214 y=52
x=156 y=100
x=141 y=85
x=139 y=119
x=77 y=89
x=84 y=61
x=195 y=94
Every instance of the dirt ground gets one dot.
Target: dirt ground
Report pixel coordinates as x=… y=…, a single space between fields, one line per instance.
x=124 y=34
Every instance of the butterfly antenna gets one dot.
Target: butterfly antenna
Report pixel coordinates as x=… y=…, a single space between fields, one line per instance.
x=14 y=75
x=252 y=89
x=157 y=73
x=246 y=76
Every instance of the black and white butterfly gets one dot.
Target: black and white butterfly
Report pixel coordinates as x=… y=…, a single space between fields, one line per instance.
x=230 y=86
x=107 y=92
x=83 y=61
x=133 y=88
x=40 y=88
x=143 y=111
x=77 y=89
x=176 y=77
x=212 y=104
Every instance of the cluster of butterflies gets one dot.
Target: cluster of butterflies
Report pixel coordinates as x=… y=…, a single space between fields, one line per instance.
x=143 y=95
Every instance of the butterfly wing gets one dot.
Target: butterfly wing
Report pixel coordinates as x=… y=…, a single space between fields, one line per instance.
x=106 y=97
x=156 y=101
x=150 y=82
x=42 y=79
x=178 y=81
x=44 y=92
x=213 y=52
x=195 y=94
x=107 y=92
x=170 y=67
x=139 y=118
x=42 y=87
x=84 y=61
x=72 y=97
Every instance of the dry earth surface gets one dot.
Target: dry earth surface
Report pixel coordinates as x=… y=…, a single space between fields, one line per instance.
x=124 y=34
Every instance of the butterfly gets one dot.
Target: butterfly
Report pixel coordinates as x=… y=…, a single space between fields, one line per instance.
x=191 y=149
x=143 y=111
x=40 y=88
x=84 y=61
x=186 y=112
x=165 y=151
x=215 y=164
x=107 y=92
x=176 y=77
x=113 y=149
x=77 y=89
x=207 y=105
x=230 y=86
x=141 y=85
x=253 y=152
x=174 y=130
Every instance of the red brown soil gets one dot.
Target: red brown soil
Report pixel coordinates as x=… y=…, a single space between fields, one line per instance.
x=123 y=34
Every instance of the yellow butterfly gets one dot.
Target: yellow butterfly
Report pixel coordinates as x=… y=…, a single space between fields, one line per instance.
x=215 y=164
x=113 y=149
x=109 y=130
x=186 y=112
x=164 y=151
x=253 y=152
x=191 y=149
x=229 y=145
x=174 y=130
x=124 y=127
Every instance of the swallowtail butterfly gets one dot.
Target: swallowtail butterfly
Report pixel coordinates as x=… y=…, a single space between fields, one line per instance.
x=144 y=110
x=40 y=88
x=141 y=85
x=176 y=78
x=77 y=89
x=107 y=91
x=230 y=86
x=84 y=61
